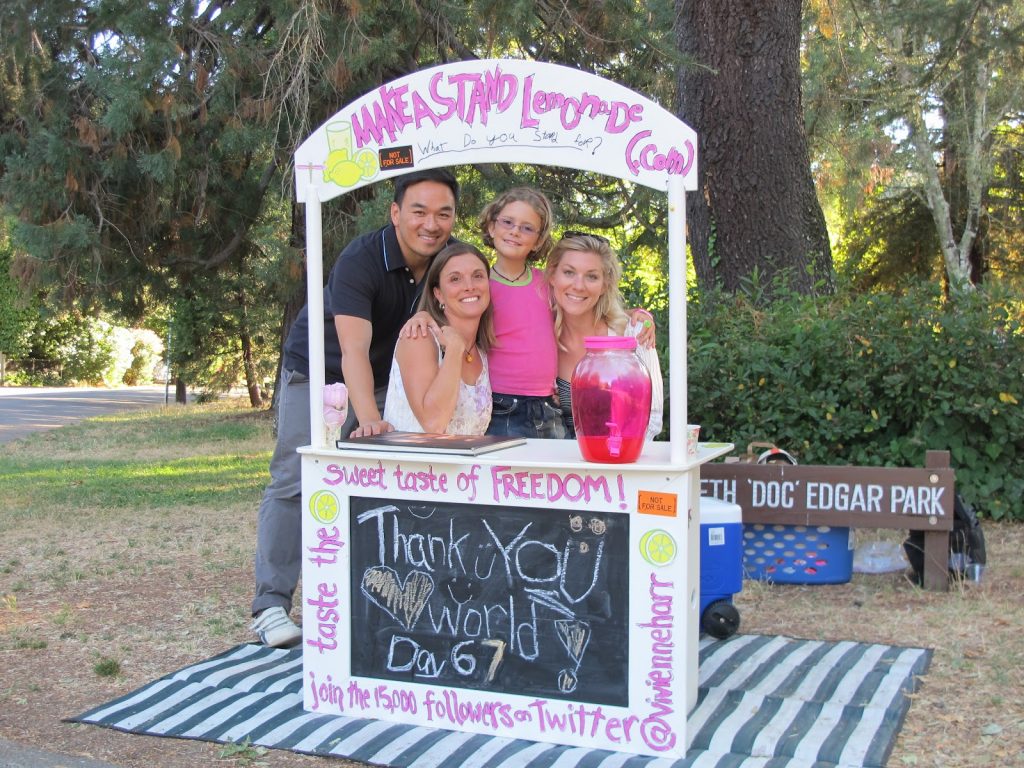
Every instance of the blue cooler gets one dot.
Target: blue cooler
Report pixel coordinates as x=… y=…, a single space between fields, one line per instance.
x=721 y=565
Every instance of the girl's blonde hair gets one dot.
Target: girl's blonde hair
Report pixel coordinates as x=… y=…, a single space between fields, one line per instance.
x=533 y=198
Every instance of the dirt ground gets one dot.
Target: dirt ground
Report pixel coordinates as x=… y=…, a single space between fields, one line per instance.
x=152 y=594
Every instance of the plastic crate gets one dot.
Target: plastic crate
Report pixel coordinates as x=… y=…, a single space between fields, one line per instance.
x=798 y=554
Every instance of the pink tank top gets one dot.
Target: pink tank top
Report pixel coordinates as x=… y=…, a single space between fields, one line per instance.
x=525 y=359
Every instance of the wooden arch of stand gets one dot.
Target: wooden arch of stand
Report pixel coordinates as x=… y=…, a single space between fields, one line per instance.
x=508 y=111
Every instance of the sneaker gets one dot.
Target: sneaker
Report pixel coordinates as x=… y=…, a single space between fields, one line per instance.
x=275 y=628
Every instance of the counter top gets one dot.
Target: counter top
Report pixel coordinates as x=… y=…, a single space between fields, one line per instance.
x=564 y=454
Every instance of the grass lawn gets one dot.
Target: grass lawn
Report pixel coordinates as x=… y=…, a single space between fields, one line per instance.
x=126 y=552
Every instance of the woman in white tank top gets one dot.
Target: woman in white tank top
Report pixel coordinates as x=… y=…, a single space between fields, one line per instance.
x=439 y=382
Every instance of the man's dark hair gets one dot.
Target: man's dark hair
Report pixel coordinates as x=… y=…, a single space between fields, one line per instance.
x=440 y=175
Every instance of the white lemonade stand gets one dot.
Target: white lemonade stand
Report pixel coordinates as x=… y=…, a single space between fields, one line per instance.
x=523 y=593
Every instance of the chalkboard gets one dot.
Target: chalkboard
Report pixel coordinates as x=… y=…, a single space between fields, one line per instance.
x=519 y=601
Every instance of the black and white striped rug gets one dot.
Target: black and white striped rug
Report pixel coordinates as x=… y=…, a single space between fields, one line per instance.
x=764 y=702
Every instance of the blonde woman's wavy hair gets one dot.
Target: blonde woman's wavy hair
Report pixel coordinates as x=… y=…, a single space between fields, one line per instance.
x=609 y=307
x=533 y=198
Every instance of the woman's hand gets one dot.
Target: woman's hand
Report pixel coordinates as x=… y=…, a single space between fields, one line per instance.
x=451 y=342
x=419 y=325
x=645 y=320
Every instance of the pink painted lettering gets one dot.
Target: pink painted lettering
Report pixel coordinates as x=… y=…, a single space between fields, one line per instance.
x=618 y=115
x=423 y=480
x=656 y=729
x=552 y=486
x=327 y=617
x=359 y=476
x=446 y=707
x=326 y=692
x=647 y=156
x=326 y=551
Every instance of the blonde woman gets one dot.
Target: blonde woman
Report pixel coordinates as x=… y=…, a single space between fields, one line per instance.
x=583 y=272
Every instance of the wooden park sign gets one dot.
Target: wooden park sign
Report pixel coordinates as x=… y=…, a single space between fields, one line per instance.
x=856 y=497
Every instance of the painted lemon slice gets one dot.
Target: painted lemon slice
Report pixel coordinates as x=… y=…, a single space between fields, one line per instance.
x=324 y=507
x=366 y=159
x=658 y=547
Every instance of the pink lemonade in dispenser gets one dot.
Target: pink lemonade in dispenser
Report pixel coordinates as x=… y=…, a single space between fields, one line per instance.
x=611 y=400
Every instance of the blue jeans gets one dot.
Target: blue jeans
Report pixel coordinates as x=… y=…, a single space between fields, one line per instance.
x=525 y=416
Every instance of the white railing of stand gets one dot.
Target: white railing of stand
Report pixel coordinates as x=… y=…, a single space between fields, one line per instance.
x=315 y=317
x=677 y=332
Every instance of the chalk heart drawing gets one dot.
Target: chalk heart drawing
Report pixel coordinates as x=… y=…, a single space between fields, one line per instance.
x=404 y=602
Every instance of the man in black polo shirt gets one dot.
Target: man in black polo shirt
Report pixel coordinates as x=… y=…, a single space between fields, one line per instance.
x=372 y=290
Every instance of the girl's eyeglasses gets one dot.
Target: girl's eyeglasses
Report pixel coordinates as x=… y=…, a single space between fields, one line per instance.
x=506 y=223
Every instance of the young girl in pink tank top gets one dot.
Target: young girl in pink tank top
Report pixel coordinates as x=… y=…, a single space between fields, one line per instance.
x=524 y=360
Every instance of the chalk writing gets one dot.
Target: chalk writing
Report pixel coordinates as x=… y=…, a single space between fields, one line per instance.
x=404 y=601
x=526 y=600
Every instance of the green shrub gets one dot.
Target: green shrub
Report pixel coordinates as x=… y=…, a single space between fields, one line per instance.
x=146 y=351
x=69 y=349
x=872 y=380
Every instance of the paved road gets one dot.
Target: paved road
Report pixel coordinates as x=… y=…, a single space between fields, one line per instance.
x=16 y=756
x=24 y=410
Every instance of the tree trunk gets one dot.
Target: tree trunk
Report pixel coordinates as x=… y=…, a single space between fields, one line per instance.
x=180 y=391
x=252 y=383
x=297 y=301
x=756 y=216
x=251 y=380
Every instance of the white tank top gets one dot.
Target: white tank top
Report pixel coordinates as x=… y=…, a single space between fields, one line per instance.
x=472 y=410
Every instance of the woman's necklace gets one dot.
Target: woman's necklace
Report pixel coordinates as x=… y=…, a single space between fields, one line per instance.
x=507 y=279
x=469 y=354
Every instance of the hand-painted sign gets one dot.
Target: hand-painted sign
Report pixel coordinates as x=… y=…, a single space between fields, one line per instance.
x=498 y=110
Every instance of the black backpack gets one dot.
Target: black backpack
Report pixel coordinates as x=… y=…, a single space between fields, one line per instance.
x=966 y=544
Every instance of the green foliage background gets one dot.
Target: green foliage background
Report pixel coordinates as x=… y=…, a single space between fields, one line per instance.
x=17 y=311
x=872 y=380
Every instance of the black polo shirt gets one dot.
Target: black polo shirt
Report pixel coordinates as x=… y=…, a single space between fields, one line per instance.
x=370 y=280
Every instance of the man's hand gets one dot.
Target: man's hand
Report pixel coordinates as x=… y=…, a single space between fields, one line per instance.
x=372 y=428
x=419 y=325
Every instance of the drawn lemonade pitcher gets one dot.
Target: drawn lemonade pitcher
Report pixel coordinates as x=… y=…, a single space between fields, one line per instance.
x=343 y=166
